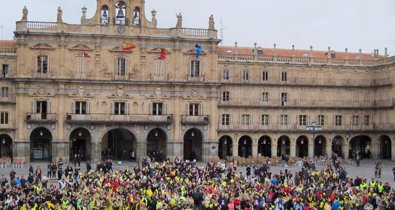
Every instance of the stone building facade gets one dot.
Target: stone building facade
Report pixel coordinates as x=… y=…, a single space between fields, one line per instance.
x=118 y=86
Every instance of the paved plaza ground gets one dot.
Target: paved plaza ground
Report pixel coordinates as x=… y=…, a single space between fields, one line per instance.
x=366 y=170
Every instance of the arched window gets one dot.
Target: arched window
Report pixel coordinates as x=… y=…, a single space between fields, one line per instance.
x=136 y=17
x=104 y=15
x=120 y=11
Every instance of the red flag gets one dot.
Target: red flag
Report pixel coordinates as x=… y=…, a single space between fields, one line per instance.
x=39 y=57
x=162 y=54
x=85 y=54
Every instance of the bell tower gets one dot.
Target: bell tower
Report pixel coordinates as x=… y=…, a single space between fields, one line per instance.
x=118 y=12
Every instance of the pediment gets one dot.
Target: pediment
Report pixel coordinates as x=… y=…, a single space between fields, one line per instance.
x=43 y=46
x=119 y=49
x=80 y=47
x=158 y=50
x=195 y=95
x=193 y=52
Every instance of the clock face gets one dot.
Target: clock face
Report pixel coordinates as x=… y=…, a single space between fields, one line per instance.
x=120 y=29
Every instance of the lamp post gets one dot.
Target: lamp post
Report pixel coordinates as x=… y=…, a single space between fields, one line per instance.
x=313 y=127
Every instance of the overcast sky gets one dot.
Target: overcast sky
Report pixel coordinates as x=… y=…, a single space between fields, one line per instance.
x=352 y=24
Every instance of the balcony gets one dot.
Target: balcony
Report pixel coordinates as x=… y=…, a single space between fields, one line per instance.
x=194 y=120
x=100 y=118
x=41 y=118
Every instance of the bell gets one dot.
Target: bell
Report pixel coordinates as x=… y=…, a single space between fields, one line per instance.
x=120 y=14
x=105 y=16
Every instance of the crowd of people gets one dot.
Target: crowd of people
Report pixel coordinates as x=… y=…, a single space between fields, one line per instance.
x=185 y=185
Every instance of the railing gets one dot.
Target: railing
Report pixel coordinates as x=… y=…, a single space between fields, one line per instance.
x=113 y=118
x=38 y=26
x=256 y=125
x=7 y=51
x=41 y=117
x=7 y=100
x=313 y=103
x=304 y=60
x=199 y=119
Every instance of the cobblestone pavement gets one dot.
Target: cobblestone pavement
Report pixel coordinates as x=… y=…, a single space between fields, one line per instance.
x=366 y=170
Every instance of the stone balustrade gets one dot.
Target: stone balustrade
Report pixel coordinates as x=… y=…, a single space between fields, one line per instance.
x=303 y=60
x=40 y=27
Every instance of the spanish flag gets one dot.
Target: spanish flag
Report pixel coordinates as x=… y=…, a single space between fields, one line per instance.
x=162 y=54
x=128 y=46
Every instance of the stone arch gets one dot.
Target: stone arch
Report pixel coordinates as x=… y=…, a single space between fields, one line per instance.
x=225 y=147
x=283 y=145
x=265 y=146
x=320 y=143
x=41 y=144
x=337 y=147
x=385 y=147
x=157 y=144
x=120 y=13
x=80 y=143
x=6 y=146
x=361 y=145
x=104 y=15
x=302 y=148
x=193 y=145
x=118 y=143
x=245 y=146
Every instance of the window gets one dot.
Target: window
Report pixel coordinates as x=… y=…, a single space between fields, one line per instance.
x=284 y=76
x=5 y=69
x=157 y=109
x=193 y=109
x=259 y=52
x=225 y=74
x=283 y=119
x=80 y=107
x=195 y=68
x=265 y=119
x=265 y=76
x=265 y=97
x=4 y=118
x=121 y=67
x=4 y=92
x=367 y=120
x=225 y=119
x=41 y=107
x=159 y=67
x=355 y=120
x=42 y=64
x=245 y=119
x=321 y=120
x=284 y=99
x=303 y=120
x=119 y=108
x=225 y=96
x=245 y=75
x=338 y=120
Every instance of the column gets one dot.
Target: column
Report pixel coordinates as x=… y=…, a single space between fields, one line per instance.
x=234 y=150
x=328 y=148
x=141 y=151
x=274 y=148
x=310 y=148
x=346 y=148
x=375 y=147
x=254 y=149
x=96 y=151
x=392 y=150
x=293 y=148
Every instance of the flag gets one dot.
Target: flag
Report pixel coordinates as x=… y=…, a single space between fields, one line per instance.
x=128 y=46
x=162 y=54
x=198 y=50
x=39 y=57
x=84 y=53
